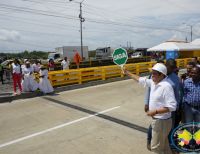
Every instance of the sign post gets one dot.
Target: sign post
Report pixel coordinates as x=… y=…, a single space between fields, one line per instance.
x=120 y=57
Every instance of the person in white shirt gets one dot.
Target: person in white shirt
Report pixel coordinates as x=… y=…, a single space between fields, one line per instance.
x=161 y=103
x=65 y=64
x=44 y=84
x=16 y=75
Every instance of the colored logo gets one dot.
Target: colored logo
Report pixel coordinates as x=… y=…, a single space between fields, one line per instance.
x=186 y=137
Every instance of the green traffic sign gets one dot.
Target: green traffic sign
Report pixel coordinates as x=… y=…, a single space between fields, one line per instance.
x=120 y=56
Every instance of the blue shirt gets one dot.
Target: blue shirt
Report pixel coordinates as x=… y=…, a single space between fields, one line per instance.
x=191 y=92
x=175 y=83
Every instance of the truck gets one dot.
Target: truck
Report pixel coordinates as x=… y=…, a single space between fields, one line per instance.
x=104 y=53
x=68 y=51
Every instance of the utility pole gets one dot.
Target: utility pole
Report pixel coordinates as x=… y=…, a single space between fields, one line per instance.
x=186 y=39
x=191 y=32
x=81 y=26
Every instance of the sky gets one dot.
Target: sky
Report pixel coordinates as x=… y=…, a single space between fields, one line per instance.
x=47 y=24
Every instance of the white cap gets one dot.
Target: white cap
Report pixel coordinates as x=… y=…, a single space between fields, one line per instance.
x=160 y=68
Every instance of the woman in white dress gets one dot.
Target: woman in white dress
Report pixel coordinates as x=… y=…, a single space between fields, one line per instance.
x=44 y=84
x=28 y=82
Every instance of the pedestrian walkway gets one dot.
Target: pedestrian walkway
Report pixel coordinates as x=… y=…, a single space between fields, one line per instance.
x=6 y=90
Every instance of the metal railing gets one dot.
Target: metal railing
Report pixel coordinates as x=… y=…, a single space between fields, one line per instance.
x=79 y=76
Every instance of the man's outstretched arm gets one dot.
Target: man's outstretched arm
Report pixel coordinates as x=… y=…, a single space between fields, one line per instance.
x=131 y=75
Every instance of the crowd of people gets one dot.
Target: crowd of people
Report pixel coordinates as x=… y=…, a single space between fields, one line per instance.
x=23 y=77
x=65 y=63
x=23 y=74
x=170 y=100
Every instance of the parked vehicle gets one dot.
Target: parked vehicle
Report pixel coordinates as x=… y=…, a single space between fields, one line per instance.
x=67 y=51
x=136 y=55
x=104 y=53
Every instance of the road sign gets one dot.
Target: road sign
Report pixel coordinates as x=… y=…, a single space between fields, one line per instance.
x=120 y=56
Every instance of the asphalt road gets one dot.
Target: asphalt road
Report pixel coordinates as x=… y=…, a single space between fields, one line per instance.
x=104 y=119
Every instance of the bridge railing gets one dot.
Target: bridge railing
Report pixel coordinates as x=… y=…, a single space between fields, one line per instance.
x=79 y=76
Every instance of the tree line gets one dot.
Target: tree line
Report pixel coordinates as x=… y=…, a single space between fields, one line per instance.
x=25 y=55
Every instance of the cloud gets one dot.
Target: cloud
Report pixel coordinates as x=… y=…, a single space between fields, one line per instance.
x=10 y=36
x=44 y=25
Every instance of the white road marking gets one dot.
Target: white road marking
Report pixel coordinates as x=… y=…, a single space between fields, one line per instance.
x=54 y=128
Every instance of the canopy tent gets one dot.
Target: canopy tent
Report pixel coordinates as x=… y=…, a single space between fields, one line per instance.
x=174 y=46
x=196 y=42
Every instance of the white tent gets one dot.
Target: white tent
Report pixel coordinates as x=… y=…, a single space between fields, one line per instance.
x=175 y=46
x=196 y=42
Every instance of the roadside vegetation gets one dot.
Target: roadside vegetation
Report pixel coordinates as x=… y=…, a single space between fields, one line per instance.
x=25 y=55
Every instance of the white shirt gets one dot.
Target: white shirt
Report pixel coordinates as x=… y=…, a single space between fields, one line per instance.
x=36 y=67
x=65 y=64
x=26 y=70
x=161 y=95
x=16 y=68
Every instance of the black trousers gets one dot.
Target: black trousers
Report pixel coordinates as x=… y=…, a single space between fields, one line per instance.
x=1 y=76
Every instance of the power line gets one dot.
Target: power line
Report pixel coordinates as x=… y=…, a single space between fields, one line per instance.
x=37 y=12
x=45 y=13
x=25 y=20
x=41 y=33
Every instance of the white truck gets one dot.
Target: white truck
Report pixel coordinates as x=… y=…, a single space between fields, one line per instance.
x=104 y=53
x=68 y=51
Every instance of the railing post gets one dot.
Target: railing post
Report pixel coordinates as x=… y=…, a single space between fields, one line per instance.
x=122 y=74
x=80 y=76
x=103 y=73
x=185 y=62
x=137 y=69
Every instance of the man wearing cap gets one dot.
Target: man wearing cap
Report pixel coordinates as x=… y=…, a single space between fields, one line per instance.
x=161 y=103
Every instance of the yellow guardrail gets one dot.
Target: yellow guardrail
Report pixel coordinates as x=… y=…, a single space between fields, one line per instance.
x=79 y=76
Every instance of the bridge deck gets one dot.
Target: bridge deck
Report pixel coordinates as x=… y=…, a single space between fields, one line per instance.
x=103 y=119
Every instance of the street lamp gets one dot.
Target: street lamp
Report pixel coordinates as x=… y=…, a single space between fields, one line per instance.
x=81 y=28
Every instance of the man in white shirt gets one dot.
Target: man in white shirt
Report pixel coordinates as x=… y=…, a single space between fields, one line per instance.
x=161 y=103
x=65 y=64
